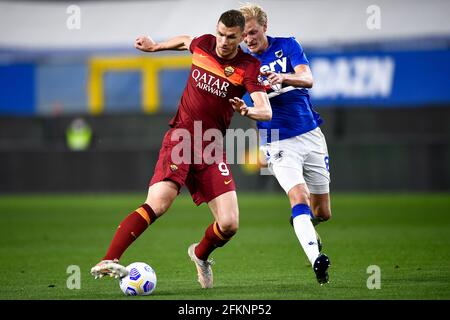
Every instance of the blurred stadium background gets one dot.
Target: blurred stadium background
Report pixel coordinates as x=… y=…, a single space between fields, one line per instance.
x=384 y=94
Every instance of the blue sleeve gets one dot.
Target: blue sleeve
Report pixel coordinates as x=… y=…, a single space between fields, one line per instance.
x=247 y=99
x=296 y=54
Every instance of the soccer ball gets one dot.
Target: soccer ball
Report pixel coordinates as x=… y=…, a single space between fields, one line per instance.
x=141 y=280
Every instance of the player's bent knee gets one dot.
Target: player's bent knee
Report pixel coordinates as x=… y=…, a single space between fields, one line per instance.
x=158 y=207
x=229 y=227
x=327 y=215
x=299 y=198
x=159 y=203
x=161 y=196
x=299 y=194
x=324 y=213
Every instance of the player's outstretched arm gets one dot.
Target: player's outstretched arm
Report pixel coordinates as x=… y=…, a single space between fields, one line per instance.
x=261 y=110
x=147 y=44
x=302 y=78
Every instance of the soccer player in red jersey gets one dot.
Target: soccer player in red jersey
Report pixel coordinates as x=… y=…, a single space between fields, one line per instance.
x=221 y=73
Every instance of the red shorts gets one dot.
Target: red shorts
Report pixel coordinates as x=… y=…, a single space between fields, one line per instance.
x=204 y=181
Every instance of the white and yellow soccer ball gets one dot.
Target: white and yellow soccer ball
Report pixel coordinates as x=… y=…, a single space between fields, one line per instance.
x=140 y=281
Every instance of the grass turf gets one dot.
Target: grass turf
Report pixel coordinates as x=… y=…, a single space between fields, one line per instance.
x=407 y=236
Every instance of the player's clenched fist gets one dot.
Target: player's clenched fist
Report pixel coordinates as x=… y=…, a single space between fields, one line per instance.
x=239 y=106
x=145 y=43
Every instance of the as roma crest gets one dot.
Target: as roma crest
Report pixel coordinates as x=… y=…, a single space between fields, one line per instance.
x=229 y=70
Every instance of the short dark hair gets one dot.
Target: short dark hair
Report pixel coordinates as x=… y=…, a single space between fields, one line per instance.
x=233 y=18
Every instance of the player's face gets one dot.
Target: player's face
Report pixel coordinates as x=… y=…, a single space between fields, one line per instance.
x=228 y=40
x=255 y=36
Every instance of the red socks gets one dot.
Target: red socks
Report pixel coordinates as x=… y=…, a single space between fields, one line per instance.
x=136 y=223
x=214 y=237
x=129 y=230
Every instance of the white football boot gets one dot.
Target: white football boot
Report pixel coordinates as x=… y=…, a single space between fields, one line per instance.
x=109 y=267
x=204 y=271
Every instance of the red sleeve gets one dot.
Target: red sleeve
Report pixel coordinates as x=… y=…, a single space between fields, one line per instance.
x=251 y=78
x=196 y=41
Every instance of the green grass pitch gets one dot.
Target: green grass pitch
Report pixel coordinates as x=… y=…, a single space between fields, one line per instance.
x=406 y=236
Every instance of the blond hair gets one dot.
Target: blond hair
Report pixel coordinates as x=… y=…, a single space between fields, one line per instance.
x=253 y=11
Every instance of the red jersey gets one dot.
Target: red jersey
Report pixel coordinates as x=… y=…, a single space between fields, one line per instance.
x=212 y=81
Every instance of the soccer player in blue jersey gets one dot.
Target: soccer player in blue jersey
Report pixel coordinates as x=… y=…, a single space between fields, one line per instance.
x=297 y=155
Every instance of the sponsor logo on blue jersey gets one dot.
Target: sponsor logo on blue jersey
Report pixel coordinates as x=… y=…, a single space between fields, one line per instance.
x=281 y=64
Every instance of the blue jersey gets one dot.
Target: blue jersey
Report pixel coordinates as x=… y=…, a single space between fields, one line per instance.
x=292 y=112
